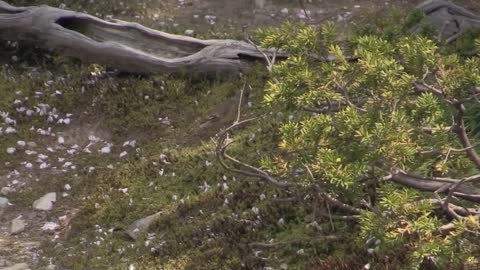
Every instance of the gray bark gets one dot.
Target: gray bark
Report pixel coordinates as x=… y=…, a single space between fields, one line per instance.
x=449 y=20
x=128 y=47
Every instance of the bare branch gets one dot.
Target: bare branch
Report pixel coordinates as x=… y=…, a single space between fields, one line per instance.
x=276 y=244
x=270 y=61
x=292 y=242
x=338 y=217
x=434 y=184
x=430 y=130
x=222 y=144
x=335 y=106
x=459 y=129
x=423 y=87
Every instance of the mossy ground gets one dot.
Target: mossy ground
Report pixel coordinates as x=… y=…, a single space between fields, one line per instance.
x=204 y=225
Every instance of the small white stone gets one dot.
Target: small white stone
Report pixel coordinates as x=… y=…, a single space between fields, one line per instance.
x=106 y=149
x=30 y=152
x=6 y=190
x=123 y=154
x=61 y=140
x=11 y=150
x=3 y=202
x=17 y=226
x=50 y=226
x=45 y=203
x=21 y=143
x=10 y=130
x=189 y=32
x=284 y=11
x=67 y=187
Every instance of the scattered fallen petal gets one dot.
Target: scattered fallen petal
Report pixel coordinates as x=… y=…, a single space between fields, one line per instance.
x=106 y=149
x=21 y=143
x=50 y=226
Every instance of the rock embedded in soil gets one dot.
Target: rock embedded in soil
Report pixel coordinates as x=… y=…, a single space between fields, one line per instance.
x=45 y=203
x=140 y=226
x=18 y=225
x=18 y=266
x=5 y=191
x=3 y=202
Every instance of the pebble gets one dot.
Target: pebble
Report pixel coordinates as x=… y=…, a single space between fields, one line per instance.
x=50 y=226
x=45 y=203
x=18 y=225
x=189 y=32
x=21 y=143
x=3 y=202
x=6 y=190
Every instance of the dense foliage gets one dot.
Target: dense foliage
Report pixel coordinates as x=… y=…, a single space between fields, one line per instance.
x=380 y=137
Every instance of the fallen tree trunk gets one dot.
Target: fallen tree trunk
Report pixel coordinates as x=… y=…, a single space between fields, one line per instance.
x=449 y=20
x=133 y=48
x=128 y=47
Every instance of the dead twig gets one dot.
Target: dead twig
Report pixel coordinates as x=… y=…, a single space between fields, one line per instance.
x=223 y=142
x=270 y=61
x=274 y=244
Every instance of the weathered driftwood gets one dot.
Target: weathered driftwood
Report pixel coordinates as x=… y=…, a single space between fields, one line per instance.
x=449 y=20
x=128 y=47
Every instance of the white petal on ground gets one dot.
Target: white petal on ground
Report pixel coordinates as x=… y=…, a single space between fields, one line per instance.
x=10 y=130
x=44 y=165
x=21 y=143
x=50 y=226
x=30 y=152
x=106 y=149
